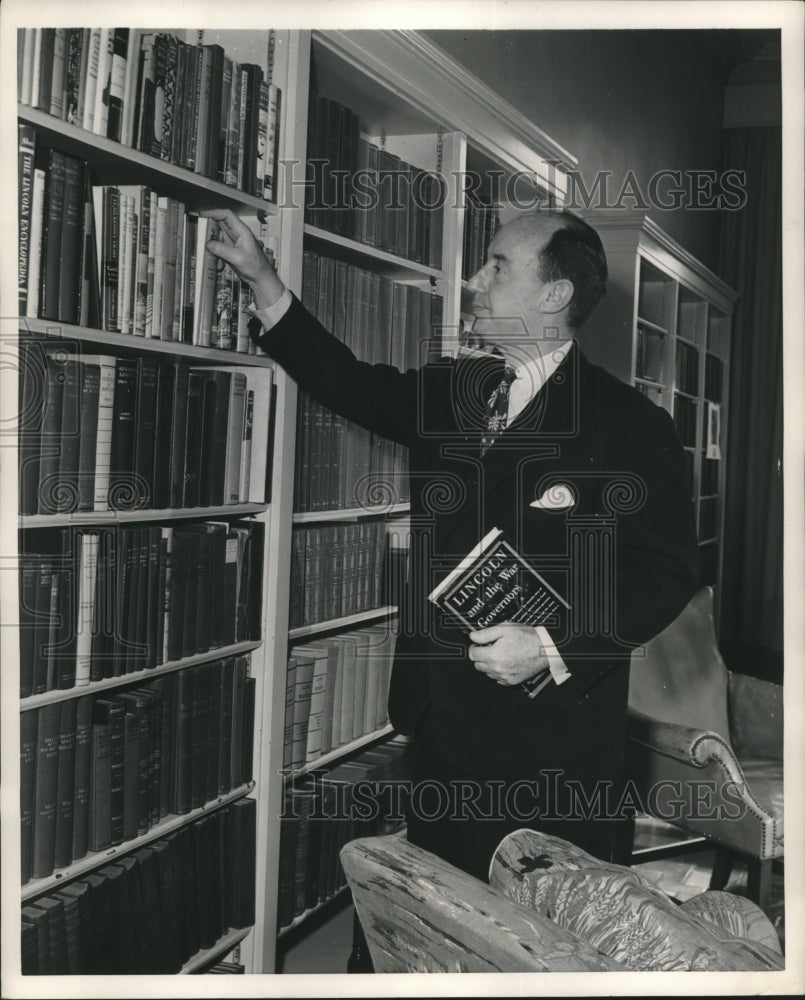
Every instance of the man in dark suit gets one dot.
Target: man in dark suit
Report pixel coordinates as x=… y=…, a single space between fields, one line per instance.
x=583 y=474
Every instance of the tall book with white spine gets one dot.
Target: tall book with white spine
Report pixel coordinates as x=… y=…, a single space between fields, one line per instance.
x=103 y=438
x=87 y=574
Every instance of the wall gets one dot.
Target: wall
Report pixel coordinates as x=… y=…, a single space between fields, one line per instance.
x=617 y=100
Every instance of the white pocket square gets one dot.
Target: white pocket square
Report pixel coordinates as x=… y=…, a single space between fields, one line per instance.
x=559 y=496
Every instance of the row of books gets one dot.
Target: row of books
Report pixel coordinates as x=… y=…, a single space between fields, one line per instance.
x=100 y=433
x=338 y=463
x=336 y=570
x=336 y=691
x=121 y=258
x=687 y=368
x=99 y=771
x=105 y=602
x=191 y=105
x=650 y=355
x=685 y=417
x=151 y=910
x=713 y=377
x=364 y=192
x=711 y=471
x=480 y=226
x=319 y=817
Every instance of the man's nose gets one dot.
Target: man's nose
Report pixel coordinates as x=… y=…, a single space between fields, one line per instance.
x=479 y=280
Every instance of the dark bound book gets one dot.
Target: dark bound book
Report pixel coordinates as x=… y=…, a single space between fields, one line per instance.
x=243 y=861
x=77 y=895
x=494 y=585
x=45 y=791
x=123 y=494
x=81 y=781
x=90 y=399
x=145 y=421
x=28 y=741
x=65 y=784
x=50 y=267
x=72 y=236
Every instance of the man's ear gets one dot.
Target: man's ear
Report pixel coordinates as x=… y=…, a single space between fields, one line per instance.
x=557 y=295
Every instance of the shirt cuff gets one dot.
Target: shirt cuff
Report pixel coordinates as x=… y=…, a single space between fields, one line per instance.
x=271 y=315
x=556 y=664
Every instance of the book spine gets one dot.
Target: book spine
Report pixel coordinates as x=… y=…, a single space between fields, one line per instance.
x=65 y=785
x=88 y=570
x=35 y=245
x=57 y=71
x=117 y=83
x=93 y=61
x=45 y=791
x=51 y=235
x=105 y=428
x=100 y=121
x=28 y=747
x=83 y=729
x=25 y=167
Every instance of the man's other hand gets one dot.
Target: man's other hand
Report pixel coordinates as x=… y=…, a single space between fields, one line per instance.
x=508 y=654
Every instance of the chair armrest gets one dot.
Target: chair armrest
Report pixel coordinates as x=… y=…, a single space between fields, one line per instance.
x=695 y=747
x=756 y=717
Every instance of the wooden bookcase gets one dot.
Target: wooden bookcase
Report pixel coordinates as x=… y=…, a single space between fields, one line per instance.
x=110 y=163
x=418 y=104
x=665 y=327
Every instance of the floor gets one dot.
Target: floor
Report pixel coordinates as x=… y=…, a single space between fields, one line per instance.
x=325 y=946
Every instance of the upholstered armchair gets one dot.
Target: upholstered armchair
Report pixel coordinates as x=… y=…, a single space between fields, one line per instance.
x=548 y=907
x=705 y=746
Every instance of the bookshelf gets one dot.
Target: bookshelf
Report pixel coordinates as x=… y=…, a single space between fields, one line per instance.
x=169 y=819
x=413 y=104
x=664 y=326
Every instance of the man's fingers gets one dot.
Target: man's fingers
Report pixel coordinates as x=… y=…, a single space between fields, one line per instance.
x=484 y=635
x=223 y=251
x=228 y=222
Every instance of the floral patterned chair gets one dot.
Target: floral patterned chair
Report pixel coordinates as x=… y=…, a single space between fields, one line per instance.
x=549 y=907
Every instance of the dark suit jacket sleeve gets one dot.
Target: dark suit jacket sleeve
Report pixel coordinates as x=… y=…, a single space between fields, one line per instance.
x=378 y=397
x=655 y=556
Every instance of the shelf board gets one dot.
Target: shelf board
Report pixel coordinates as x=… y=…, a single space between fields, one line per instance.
x=654 y=327
x=336 y=623
x=98 y=858
x=207 y=955
x=349 y=513
x=139 y=676
x=707 y=541
x=709 y=496
x=681 y=339
x=114 y=163
x=650 y=382
x=97 y=517
x=54 y=330
x=313 y=909
x=339 y=752
x=686 y=395
x=343 y=248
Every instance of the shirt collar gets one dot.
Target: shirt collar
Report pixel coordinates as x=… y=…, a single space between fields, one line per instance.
x=536 y=371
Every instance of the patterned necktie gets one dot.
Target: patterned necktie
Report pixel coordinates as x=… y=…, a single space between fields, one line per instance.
x=497 y=410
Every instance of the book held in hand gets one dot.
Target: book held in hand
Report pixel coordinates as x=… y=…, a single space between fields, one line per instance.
x=493 y=585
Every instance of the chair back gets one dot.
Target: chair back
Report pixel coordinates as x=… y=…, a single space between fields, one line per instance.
x=679 y=676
